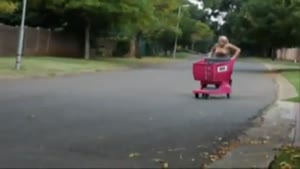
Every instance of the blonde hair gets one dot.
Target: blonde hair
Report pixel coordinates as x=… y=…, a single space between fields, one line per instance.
x=223 y=38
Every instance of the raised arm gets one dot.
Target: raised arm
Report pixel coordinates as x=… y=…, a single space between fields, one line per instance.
x=236 y=50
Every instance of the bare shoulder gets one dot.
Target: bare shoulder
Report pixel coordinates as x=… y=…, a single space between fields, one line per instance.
x=232 y=46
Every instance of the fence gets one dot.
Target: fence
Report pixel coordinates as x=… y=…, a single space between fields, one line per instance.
x=39 y=42
x=289 y=54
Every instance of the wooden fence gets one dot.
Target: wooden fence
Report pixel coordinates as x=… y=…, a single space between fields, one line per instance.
x=39 y=42
x=292 y=54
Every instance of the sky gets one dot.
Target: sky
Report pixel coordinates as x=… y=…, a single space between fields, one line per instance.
x=219 y=19
x=200 y=5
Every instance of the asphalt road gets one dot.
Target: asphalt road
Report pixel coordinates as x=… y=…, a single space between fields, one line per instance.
x=98 y=120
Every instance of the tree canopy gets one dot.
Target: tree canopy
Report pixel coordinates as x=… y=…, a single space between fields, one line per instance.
x=7 y=6
x=260 y=27
x=152 y=20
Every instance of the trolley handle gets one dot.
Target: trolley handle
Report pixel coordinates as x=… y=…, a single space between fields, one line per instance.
x=217 y=60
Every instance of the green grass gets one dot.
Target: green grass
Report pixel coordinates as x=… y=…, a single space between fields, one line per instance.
x=277 y=62
x=289 y=156
x=52 y=66
x=289 y=69
x=182 y=55
x=294 y=78
x=179 y=55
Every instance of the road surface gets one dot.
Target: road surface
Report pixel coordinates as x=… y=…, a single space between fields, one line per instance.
x=98 y=120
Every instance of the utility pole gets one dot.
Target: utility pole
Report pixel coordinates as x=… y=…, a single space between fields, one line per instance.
x=176 y=36
x=21 y=37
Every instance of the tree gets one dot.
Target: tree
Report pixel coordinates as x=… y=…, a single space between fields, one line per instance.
x=260 y=27
x=149 y=18
x=7 y=6
x=152 y=20
x=79 y=15
x=201 y=32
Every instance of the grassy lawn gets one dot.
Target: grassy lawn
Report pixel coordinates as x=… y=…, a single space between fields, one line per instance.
x=289 y=69
x=289 y=158
x=294 y=78
x=51 y=66
x=280 y=63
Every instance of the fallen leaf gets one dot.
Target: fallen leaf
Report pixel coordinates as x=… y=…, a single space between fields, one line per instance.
x=165 y=165
x=157 y=160
x=180 y=157
x=132 y=155
x=285 y=165
x=192 y=159
x=160 y=152
x=254 y=142
x=200 y=146
x=225 y=143
x=297 y=156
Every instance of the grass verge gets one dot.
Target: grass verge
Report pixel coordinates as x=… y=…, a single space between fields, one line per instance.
x=287 y=158
x=289 y=69
x=279 y=63
x=52 y=66
x=294 y=78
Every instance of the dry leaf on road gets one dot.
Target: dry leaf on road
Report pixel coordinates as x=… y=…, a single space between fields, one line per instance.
x=157 y=160
x=132 y=155
x=165 y=165
x=180 y=157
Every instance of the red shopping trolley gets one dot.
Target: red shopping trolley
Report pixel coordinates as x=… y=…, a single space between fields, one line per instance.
x=213 y=71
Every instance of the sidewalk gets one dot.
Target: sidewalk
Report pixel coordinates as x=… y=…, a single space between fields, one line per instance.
x=286 y=91
x=279 y=125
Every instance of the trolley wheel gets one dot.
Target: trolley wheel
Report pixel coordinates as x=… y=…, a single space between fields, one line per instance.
x=205 y=96
x=228 y=96
x=196 y=95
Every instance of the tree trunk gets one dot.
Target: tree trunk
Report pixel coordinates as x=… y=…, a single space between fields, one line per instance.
x=137 y=45
x=273 y=53
x=193 y=46
x=266 y=52
x=87 y=41
x=132 y=48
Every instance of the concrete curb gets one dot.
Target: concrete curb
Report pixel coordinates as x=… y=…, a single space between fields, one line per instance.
x=279 y=124
x=297 y=128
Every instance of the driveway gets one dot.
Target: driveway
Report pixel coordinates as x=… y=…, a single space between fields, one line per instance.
x=98 y=120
